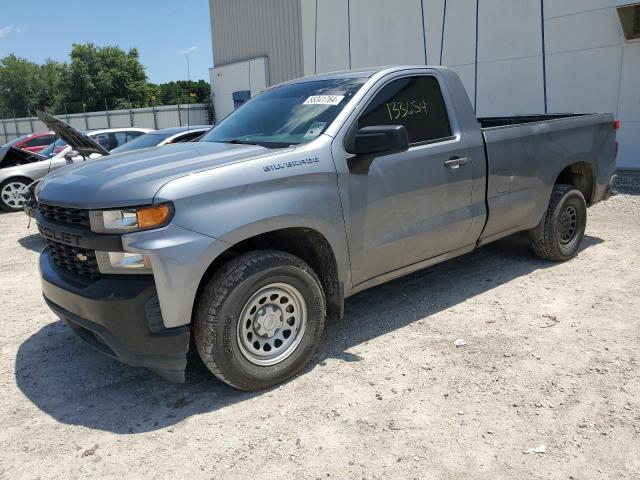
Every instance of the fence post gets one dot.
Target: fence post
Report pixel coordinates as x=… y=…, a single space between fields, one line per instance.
x=15 y=122
x=30 y=120
x=179 y=116
x=66 y=114
x=86 y=122
x=131 y=114
x=106 y=111
x=155 y=118
x=4 y=132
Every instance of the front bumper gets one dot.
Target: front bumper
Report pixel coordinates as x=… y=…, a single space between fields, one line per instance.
x=119 y=315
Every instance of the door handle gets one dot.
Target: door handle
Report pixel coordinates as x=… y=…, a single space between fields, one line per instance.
x=456 y=162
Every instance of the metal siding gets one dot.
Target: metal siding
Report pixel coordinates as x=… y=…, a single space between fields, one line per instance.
x=246 y=29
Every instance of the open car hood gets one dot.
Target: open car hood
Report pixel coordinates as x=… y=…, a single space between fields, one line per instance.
x=79 y=142
x=12 y=157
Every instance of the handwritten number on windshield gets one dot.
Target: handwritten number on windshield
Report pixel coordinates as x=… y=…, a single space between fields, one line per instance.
x=399 y=110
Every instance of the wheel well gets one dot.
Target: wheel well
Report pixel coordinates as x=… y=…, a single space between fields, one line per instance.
x=27 y=180
x=305 y=243
x=581 y=176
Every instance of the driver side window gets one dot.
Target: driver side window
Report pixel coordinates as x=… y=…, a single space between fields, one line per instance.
x=416 y=103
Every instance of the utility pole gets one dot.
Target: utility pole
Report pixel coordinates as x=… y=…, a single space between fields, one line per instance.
x=188 y=82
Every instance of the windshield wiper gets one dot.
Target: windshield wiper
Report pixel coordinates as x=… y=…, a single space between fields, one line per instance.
x=237 y=141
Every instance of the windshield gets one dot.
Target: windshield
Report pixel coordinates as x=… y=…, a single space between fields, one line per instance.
x=287 y=115
x=143 y=141
x=54 y=148
x=16 y=140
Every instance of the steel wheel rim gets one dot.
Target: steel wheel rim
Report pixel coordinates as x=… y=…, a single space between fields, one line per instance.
x=13 y=194
x=272 y=323
x=568 y=227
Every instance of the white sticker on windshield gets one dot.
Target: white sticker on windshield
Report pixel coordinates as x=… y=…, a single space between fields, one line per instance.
x=324 y=100
x=314 y=130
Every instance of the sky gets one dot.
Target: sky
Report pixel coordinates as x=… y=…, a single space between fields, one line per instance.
x=161 y=30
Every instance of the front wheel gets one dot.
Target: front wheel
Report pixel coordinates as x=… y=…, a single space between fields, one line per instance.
x=12 y=193
x=559 y=235
x=259 y=319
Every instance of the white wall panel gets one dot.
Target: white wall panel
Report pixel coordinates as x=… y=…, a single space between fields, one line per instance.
x=460 y=33
x=433 y=11
x=467 y=75
x=556 y=8
x=333 y=35
x=629 y=104
x=249 y=75
x=384 y=33
x=510 y=87
x=258 y=28
x=308 y=22
x=629 y=145
x=519 y=36
x=599 y=28
x=584 y=81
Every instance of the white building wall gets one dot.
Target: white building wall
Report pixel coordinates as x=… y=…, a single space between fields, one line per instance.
x=587 y=65
x=497 y=48
x=249 y=75
x=510 y=70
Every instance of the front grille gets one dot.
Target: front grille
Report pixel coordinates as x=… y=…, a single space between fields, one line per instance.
x=74 y=259
x=70 y=216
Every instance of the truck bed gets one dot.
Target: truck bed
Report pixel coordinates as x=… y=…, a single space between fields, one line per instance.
x=524 y=155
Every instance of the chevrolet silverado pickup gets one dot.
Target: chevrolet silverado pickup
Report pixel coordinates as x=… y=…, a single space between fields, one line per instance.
x=237 y=247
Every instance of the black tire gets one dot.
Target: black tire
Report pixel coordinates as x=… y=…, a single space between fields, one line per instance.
x=229 y=293
x=561 y=231
x=7 y=202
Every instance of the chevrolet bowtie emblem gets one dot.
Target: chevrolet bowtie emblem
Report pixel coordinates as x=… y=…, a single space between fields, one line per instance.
x=81 y=256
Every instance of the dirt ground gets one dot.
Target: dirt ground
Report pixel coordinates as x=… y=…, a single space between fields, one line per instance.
x=551 y=362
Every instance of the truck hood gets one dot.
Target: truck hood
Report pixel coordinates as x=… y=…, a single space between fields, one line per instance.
x=133 y=178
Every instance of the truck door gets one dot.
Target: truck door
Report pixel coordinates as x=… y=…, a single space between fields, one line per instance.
x=414 y=205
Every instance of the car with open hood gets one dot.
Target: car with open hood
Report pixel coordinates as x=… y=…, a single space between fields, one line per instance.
x=19 y=169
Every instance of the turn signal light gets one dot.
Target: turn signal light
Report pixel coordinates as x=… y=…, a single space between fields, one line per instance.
x=153 y=216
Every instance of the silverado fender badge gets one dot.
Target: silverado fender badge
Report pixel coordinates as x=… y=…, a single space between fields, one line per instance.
x=292 y=163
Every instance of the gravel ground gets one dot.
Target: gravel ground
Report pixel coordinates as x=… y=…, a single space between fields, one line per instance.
x=550 y=363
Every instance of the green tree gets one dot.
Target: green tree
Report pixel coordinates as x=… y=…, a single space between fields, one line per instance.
x=26 y=86
x=183 y=91
x=95 y=78
x=18 y=85
x=49 y=93
x=104 y=76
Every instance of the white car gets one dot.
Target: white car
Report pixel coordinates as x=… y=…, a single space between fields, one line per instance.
x=165 y=136
x=108 y=138
x=15 y=177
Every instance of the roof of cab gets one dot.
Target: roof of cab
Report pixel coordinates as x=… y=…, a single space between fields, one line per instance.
x=358 y=73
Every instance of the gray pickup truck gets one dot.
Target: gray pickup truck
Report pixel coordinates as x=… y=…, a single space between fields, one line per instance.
x=238 y=246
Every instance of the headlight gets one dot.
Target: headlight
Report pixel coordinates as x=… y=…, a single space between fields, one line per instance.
x=123 y=262
x=130 y=219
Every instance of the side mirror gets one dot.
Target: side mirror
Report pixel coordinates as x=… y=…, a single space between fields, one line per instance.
x=370 y=142
x=71 y=154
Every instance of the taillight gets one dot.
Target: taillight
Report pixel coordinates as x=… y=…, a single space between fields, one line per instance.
x=616 y=124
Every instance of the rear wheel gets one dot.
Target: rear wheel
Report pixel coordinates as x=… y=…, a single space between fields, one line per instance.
x=559 y=235
x=259 y=319
x=12 y=193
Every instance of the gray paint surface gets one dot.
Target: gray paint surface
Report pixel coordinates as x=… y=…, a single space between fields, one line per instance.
x=408 y=211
